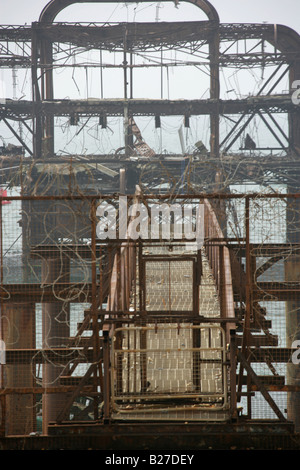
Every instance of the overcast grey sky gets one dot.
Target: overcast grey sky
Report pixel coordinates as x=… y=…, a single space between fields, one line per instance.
x=230 y=11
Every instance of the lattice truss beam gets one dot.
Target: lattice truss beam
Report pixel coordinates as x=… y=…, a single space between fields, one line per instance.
x=165 y=46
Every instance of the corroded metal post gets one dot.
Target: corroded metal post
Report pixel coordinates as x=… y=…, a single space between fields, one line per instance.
x=55 y=333
x=19 y=333
x=292 y=274
x=214 y=94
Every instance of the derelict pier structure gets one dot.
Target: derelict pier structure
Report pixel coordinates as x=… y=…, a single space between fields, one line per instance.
x=132 y=337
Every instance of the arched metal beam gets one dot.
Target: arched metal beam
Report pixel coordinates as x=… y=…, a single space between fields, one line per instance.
x=54 y=7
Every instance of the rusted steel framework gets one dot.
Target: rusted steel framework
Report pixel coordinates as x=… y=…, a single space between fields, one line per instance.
x=163 y=329
x=264 y=105
x=103 y=368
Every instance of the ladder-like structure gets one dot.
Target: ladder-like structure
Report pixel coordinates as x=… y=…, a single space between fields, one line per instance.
x=171 y=332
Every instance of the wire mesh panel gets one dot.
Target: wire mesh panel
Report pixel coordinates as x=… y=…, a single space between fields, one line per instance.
x=269 y=294
x=169 y=285
x=169 y=368
x=46 y=285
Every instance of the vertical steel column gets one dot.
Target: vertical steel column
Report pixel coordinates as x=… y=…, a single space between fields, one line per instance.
x=19 y=333
x=292 y=264
x=197 y=359
x=214 y=94
x=247 y=319
x=95 y=294
x=122 y=181
x=292 y=274
x=222 y=282
x=55 y=334
x=36 y=97
x=106 y=378
x=47 y=94
x=233 y=364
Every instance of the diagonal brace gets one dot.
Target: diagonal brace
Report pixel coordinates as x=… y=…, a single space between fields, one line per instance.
x=260 y=386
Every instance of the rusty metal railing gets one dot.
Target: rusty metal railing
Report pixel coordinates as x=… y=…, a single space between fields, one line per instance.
x=219 y=259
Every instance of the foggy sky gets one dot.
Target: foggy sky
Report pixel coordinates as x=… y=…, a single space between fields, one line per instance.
x=230 y=11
